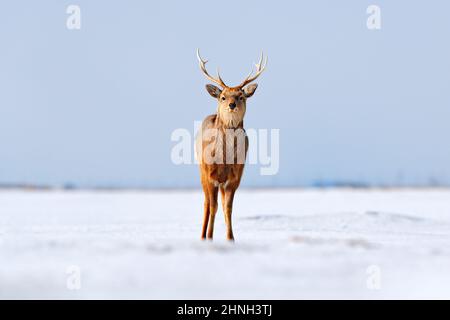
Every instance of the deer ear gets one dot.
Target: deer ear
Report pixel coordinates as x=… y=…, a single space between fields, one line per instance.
x=250 y=89
x=213 y=90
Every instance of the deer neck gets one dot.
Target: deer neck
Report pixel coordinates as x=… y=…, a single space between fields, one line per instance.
x=228 y=120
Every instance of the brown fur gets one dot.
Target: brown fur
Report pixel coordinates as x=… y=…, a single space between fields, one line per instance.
x=221 y=175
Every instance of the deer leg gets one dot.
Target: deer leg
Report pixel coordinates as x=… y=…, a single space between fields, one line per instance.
x=213 y=193
x=205 y=217
x=222 y=193
x=205 y=209
x=228 y=209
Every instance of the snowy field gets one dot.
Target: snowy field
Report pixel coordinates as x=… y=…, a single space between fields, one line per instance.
x=290 y=244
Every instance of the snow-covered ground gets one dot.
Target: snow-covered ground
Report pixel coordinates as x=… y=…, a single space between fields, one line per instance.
x=289 y=244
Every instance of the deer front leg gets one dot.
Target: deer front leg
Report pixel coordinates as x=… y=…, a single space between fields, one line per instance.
x=222 y=193
x=213 y=193
x=205 y=209
x=205 y=217
x=228 y=210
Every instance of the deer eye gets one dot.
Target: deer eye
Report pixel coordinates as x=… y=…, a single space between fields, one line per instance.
x=241 y=98
x=223 y=98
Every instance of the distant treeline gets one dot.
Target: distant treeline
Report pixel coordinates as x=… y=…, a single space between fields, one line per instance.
x=319 y=184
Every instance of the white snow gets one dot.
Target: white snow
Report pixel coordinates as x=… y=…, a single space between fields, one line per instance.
x=290 y=244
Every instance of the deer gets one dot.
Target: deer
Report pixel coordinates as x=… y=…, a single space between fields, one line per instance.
x=222 y=145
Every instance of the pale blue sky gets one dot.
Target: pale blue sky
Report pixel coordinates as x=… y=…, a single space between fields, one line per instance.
x=96 y=107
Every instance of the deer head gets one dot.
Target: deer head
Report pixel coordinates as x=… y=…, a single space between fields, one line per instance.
x=232 y=100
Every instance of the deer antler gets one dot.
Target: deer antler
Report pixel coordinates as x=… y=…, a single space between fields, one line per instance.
x=260 y=67
x=202 y=64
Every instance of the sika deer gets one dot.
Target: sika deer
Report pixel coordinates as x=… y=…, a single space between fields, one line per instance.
x=222 y=146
